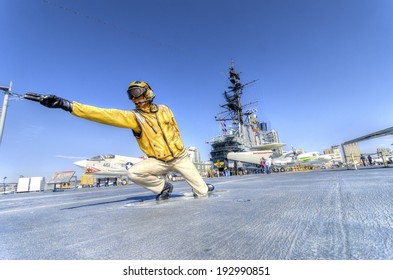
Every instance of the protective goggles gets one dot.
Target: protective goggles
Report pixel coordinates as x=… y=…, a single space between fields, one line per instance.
x=135 y=92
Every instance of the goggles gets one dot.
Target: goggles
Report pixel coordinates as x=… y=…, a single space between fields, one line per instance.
x=135 y=92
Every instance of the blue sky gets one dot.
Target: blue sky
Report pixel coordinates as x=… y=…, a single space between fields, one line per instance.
x=324 y=71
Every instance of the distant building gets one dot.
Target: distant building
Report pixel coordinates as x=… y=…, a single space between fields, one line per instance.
x=335 y=153
x=263 y=126
x=271 y=136
x=351 y=150
x=194 y=154
x=195 y=157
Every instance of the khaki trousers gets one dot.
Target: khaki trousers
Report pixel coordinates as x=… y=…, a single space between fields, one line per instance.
x=146 y=172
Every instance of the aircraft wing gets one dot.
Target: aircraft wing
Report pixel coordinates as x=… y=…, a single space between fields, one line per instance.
x=253 y=157
x=267 y=146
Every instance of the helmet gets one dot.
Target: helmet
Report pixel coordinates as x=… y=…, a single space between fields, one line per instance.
x=139 y=88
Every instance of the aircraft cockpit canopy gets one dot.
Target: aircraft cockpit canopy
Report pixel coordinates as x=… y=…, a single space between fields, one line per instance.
x=102 y=157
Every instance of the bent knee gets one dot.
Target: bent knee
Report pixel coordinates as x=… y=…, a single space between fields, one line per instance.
x=132 y=174
x=136 y=174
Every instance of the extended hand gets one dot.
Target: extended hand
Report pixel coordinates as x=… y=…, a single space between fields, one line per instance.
x=50 y=101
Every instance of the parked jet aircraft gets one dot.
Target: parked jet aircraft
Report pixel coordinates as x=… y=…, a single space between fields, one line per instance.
x=250 y=157
x=116 y=165
x=256 y=153
x=291 y=158
x=108 y=165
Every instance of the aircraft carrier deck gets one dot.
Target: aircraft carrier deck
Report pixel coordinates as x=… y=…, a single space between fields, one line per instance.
x=328 y=215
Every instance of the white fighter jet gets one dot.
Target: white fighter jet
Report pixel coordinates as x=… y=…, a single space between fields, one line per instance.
x=291 y=159
x=108 y=165
x=255 y=154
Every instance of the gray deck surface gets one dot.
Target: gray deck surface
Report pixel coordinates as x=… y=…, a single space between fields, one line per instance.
x=342 y=214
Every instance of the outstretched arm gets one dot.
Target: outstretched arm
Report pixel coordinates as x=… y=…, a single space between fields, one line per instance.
x=114 y=117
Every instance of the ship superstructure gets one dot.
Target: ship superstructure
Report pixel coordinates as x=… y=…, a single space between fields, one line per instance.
x=240 y=129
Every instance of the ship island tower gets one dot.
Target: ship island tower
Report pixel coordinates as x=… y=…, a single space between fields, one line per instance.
x=240 y=128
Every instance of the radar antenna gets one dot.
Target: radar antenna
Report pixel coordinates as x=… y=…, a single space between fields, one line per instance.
x=233 y=105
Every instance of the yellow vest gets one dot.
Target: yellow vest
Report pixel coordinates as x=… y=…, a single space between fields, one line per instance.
x=157 y=133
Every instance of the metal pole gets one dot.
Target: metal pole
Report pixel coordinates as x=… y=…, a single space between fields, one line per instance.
x=7 y=91
x=354 y=163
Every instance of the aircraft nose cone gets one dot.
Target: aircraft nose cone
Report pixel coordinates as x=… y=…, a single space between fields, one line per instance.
x=81 y=163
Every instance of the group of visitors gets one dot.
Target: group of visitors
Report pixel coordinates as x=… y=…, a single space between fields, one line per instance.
x=265 y=165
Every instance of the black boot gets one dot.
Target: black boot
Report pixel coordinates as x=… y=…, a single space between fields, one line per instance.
x=164 y=194
x=210 y=187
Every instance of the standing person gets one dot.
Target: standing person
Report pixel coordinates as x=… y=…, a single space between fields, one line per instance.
x=156 y=132
x=263 y=165
x=370 y=159
x=268 y=164
x=363 y=158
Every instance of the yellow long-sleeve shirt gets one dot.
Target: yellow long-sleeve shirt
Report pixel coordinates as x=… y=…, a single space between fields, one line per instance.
x=157 y=133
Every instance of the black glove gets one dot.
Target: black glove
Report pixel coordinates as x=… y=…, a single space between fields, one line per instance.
x=50 y=101
x=53 y=101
